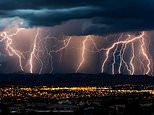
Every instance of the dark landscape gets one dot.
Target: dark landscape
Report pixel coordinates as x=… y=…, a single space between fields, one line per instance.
x=74 y=79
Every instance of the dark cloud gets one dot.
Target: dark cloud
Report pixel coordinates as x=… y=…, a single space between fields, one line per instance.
x=50 y=4
x=99 y=16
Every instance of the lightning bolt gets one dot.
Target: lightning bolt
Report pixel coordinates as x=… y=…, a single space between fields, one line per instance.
x=131 y=61
x=127 y=66
x=32 y=54
x=40 y=47
x=114 y=57
x=143 y=48
x=124 y=44
x=66 y=43
x=9 y=45
x=82 y=54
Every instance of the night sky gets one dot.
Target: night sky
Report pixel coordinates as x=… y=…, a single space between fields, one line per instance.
x=83 y=36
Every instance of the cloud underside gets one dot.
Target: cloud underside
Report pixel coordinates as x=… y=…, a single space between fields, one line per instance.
x=80 y=17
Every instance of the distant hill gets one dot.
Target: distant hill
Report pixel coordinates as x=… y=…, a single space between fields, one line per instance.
x=73 y=79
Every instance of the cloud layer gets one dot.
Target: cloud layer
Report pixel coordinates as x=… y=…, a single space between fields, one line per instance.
x=94 y=16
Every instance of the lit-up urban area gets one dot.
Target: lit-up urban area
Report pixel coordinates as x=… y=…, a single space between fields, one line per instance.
x=117 y=100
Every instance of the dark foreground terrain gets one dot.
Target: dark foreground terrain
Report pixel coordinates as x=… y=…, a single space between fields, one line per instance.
x=62 y=80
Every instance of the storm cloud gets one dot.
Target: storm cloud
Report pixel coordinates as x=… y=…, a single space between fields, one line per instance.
x=96 y=17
